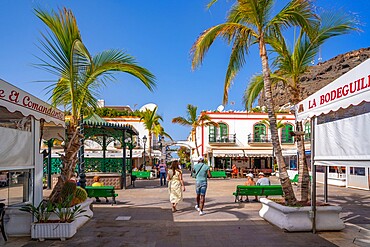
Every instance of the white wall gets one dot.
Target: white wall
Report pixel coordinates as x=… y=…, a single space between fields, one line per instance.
x=239 y=123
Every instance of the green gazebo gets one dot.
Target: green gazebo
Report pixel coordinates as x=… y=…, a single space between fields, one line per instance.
x=102 y=132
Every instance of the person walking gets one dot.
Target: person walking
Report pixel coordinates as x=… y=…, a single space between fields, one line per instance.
x=162 y=172
x=175 y=184
x=201 y=172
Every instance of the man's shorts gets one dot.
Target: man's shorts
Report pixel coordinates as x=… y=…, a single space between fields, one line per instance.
x=201 y=188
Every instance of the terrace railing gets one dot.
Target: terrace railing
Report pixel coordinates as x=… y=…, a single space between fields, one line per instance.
x=91 y=165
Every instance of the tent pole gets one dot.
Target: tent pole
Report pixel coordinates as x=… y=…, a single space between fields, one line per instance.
x=326 y=184
x=50 y=144
x=313 y=169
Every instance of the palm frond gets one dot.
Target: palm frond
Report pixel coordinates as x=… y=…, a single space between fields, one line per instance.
x=181 y=121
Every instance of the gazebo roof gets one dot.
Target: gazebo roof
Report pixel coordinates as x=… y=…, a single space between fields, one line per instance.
x=95 y=118
x=96 y=122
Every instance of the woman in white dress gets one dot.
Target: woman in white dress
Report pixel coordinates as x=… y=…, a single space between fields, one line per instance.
x=175 y=184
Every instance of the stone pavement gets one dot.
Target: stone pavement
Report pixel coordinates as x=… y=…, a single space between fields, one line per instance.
x=143 y=217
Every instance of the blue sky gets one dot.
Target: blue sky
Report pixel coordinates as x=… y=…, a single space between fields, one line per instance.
x=159 y=34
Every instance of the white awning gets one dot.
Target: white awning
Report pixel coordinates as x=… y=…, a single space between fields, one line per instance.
x=242 y=153
x=17 y=100
x=289 y=152
x=351 y=88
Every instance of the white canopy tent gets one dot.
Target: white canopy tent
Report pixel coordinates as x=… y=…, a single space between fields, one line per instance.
x=24 y=121
x=340 y=115
x=18 y=108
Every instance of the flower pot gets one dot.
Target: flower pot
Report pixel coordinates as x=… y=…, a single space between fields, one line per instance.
x=80 y=221
x=60 y=231
x=294 y=219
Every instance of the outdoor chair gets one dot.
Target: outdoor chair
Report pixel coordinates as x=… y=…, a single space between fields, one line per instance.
x=2 y=213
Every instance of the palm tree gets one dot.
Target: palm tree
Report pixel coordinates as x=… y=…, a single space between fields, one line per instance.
x=194 y=121
x=252 y=22
x=80 y=75
x=151 y=123
x=291 y=65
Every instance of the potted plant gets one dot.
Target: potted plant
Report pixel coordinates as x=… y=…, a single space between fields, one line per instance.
x=55 y=220
x=299 y=218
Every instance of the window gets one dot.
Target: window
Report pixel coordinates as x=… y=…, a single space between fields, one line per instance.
x=218 y=134
x=359 y=171
x=212 y=134
x=259 y=132
x=223 y=131
x=14 y=186
x=286 y=137
x=307 y=131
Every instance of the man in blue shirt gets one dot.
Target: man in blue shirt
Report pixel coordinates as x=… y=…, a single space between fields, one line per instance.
x=201 y=171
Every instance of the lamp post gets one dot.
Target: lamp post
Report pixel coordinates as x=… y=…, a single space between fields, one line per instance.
x=144 y=142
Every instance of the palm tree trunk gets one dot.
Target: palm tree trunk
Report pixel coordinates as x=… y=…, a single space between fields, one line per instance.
x=69 y=160
x=283 y=174
x=196 y=142
x=304 y=177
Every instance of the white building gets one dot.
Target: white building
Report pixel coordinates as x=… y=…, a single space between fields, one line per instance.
x=244 y=139
x=94 y=149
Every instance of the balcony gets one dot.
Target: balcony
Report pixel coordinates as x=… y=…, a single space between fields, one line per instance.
x=256 y=139
x=222 y=140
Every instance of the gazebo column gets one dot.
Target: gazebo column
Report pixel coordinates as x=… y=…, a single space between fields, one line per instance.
x=104 y=152
x=123 y=180
x=131 y=147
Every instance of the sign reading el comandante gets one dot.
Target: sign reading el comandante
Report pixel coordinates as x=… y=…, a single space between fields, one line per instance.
x=19 y=97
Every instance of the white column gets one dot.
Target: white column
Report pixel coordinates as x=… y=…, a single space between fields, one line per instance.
x=37 y=185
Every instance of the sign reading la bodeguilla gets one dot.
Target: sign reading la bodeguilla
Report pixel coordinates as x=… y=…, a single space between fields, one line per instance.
x=345 y=90
x=16 y=96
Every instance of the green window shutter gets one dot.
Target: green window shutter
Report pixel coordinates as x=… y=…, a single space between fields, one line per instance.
x=285 y=134
x=307 y=131
x=259 y=133
x=223 y=130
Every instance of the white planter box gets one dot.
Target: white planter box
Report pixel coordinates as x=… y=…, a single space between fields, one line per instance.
x=294 y=219
x=86 y=205
x=60 y=231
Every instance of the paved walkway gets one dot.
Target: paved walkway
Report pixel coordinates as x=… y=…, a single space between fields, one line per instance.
x=143 y=217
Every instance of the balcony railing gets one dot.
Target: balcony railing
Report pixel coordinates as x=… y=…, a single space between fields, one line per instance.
x=227 y=139
x=267 y=139
x=259 y=139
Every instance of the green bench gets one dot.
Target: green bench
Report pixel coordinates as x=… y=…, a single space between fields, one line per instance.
x=101 y=191
x=218 y=174
x=257 y=190
x=141 y=174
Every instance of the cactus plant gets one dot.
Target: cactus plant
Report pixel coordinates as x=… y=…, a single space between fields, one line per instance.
x=80 y=196
x=69 y=188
